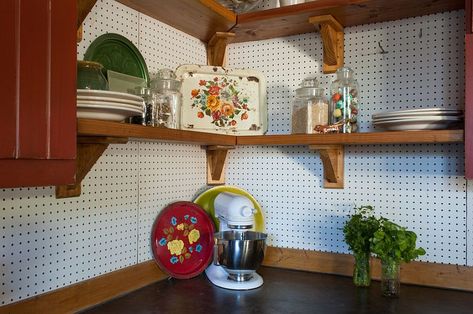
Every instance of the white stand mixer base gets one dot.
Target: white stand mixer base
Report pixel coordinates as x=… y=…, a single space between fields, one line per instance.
x=219 y=277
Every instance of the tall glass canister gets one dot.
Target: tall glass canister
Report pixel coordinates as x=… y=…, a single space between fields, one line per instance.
x=310 y=107
x=168 y=111
x=345 y=101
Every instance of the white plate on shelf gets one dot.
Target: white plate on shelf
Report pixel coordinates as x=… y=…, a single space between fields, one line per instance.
x=416 y=124
x=418 y=112
x=418 y=118
x=109 y=99
x=104 y=113
x=100 y=104
x=105 y=93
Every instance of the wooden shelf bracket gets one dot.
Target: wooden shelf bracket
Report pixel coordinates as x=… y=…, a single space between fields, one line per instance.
x=216 y=158
x=89 y=150
x=332 y=40
x=217 y=47
x=332 y=157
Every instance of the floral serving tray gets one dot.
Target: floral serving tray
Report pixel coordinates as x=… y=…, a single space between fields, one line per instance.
x=221 y=100
x=182 y=240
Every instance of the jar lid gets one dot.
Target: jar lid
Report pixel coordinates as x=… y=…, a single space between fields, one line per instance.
x=165 y=80
x=89 y=64
x=309 y=88
x=143 y=91
x=345 y=73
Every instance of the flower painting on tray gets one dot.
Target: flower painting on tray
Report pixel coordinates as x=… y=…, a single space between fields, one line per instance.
x=222 y=101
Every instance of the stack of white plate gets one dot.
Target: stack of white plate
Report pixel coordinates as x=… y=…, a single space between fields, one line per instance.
x=107 y=105
x=418 y=119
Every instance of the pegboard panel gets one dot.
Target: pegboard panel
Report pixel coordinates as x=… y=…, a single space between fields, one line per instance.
x=168 y=173
x=284 y=62
x=167 y=47
x=49 y=243
x=422 y=67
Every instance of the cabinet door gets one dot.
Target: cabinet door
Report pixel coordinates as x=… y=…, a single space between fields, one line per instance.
x=38 y=141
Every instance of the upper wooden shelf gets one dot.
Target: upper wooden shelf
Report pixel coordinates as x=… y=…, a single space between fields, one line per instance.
x=203 y=18
x=198 y=18
x=292 y=20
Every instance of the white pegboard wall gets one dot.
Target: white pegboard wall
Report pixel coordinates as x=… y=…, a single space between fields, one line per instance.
x=167 y=47
x=420 y=186
x=49 y=243
x=168 y=173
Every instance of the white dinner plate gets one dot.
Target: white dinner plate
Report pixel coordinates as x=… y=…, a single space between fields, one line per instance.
x=105 y=93
x=418 y=112
x=104 y=113
x=419 y=124
x=109 y=99
x=418 y=118
x=109 y=105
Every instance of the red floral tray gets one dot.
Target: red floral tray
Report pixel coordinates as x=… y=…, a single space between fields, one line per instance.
x=182 y=240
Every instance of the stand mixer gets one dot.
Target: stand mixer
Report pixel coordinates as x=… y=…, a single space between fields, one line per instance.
x=238 y=250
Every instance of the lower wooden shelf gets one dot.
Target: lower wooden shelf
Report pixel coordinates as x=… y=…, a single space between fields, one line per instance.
x=392 y=137
x=94 y=136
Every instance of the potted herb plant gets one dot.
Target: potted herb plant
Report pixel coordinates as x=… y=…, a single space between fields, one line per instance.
x=393 y=244
x=358 y=231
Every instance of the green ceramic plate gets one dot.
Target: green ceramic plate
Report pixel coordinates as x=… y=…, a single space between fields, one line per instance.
x=207 y=198
x=118 y=54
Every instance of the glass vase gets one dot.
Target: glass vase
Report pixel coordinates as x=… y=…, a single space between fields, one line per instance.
x=361 y=271
x=390 y=278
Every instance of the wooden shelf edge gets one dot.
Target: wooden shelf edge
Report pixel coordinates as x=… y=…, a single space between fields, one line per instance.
x=393 y=137
x=87 y=127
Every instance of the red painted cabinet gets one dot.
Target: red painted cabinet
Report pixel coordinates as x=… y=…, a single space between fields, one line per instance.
x=38 y=91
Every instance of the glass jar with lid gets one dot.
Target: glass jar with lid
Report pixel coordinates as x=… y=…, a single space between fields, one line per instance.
x=344 y=101
x=149 y=112
x=90 y=76
x=169 y=106
x=310 y=107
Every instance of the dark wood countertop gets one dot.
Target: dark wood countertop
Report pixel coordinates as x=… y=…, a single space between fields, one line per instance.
x=286 y=291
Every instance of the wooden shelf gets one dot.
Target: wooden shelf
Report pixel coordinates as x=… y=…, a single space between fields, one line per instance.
x=95 y=135
x=292 y=20
x=398 y=137
x=198 y=18
x=203 y=18
x=113 y=129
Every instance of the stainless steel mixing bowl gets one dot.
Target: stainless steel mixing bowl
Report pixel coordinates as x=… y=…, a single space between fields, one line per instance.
x=240 y=253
